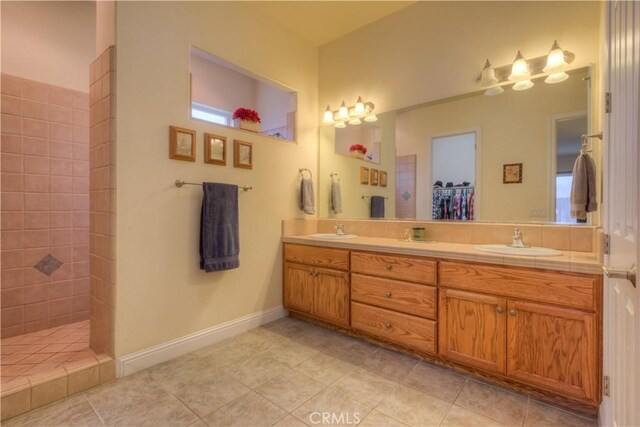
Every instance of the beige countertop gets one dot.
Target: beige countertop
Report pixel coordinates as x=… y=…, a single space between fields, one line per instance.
x=579 y=262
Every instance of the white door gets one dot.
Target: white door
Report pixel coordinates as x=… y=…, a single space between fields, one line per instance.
x=622 y=135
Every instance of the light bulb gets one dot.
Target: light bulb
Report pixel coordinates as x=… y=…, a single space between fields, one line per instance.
x=355 y=121
x=340 y=125
x=371 y=118
x=555 y=59
x=520 y=68
x=488 y=75
x=328 y=115
x=523 y=85
x=343 y=112
x=556 y=77
x=493 y=91
x=359 y=109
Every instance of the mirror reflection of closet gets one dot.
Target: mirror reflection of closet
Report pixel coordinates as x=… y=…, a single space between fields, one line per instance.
x=453 y=177
x=568 y=131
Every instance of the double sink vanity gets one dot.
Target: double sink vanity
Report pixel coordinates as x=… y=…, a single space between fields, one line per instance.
x=529 y=323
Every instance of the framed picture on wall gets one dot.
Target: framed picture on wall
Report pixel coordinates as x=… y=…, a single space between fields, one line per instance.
x=182 y=144
x=364 y=175
x=242 y=154
x=383 y=179
x=215 y=149
x=512 y=173
x=373 y=177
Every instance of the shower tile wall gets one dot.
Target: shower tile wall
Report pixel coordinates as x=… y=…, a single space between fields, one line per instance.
x=45 y=206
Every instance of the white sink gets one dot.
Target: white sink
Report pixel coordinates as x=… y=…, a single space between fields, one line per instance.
x=509 y=250
x=333 y=236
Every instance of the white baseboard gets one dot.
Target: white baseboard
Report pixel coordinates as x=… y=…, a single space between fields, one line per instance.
x=127 y=365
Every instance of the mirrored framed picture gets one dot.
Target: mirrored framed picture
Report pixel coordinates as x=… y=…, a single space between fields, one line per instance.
x=182 y=144
x=373 y=178
x=364 y=175
x=215 y=149
x=383 y=179
x=242 y=154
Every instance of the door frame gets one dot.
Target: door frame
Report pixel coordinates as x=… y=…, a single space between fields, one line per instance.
x=477 y=191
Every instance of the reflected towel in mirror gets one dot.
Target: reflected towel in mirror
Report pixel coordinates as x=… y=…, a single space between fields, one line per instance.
x=335 y=203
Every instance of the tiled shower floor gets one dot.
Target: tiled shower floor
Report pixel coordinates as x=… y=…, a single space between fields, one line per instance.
x=38 y=353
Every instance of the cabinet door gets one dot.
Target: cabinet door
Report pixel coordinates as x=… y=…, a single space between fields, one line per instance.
x=298 y=287
x=553 y=347
x=331 y=299
x=472 y=329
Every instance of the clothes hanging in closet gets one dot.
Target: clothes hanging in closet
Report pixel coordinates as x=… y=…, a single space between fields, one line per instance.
x=454 y=203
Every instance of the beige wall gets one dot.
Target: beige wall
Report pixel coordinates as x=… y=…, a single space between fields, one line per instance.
x=515 y=127
x=161 y=292
x=49 y=42
x=434 y=50
x=348 y=170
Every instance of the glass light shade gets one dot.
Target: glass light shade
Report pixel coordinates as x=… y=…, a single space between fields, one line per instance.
x=488 y=75
x=493 y=91
x=328 y=116
x=523 y=85
x=556 y=77
x=555 y=59
x=519 y=69
x=343 y=112
x=371 y=118
x=359 y=108
x=354 y=122
x=340 y=125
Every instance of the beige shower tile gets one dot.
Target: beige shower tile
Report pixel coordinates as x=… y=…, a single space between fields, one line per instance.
x=16 y=403
x=48 y=390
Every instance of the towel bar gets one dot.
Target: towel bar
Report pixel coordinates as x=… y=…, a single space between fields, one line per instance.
x=368 y=197
x=301 y=171
x=181 y=182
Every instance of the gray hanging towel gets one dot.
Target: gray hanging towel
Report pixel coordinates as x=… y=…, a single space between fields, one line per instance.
x=219 y=237
x=335 y=204
x=377 y=207
x=583 y=187
x=307 y=202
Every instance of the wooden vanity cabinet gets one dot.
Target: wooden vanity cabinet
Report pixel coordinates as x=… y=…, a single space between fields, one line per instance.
x=314 y=290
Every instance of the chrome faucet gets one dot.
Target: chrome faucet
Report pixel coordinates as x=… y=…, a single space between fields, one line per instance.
x=517 y=239
x=340 y=230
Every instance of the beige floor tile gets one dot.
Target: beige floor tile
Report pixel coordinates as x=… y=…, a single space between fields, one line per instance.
x=173 y=374
x=460 y=417
x=324 y=368
x=378 y=419
x=289 y=421
x=250 y=409
x=390 y=364
x=77 y=414
x=290 y=389
x=290 y=327
x=225 y=353
x=317 y=338
x=257 y=370
x=208 y=394
x=290 y=353
x=539 y=414
x=365 y=386
x=414 y=407
x=270 y=335
x=493 y=402
x=329 y=407
x=198 y=423
x=256 y=341
x=350 y=350
x=439 y=382
x=73 y=404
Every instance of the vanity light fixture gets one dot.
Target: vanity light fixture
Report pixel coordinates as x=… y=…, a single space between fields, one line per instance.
x=488 y=78
x=353 y=115
x=520 y=68
x=556 y=65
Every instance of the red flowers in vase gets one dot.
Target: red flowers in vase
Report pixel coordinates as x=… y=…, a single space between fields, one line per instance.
x=358 y=147
x=246 y=114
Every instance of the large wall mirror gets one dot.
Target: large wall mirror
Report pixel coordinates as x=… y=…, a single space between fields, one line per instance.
x=505 y=158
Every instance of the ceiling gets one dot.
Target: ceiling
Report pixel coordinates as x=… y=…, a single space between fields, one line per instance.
x=319 y=22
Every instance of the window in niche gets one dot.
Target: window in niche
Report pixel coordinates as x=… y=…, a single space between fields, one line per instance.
x=218 y=88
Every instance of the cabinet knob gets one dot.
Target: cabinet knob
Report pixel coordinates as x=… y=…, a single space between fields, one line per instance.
x=316 y=274
x=310 y=273
x=387 y=325
x=499 y=309
x=388 y=266
x=388 y=295
x=512 y=312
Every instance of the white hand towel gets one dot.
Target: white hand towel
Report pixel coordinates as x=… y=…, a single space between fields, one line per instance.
x=307 y=201
x=335 y=204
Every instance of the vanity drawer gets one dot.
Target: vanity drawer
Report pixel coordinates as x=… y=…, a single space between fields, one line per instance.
x=409 y=331
x=405 y=297
x=314 y=255
x=414 y=269
x=568 y=289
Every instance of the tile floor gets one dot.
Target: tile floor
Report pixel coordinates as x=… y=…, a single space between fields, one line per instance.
x=34 y=354
x=291 y=373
